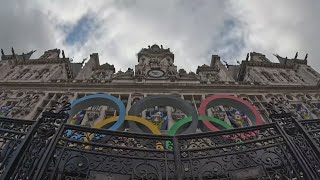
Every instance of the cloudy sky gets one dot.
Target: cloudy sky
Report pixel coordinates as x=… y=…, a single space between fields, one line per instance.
x=193 y=30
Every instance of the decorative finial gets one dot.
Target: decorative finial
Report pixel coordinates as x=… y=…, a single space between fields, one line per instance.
x=305 y=58
x=63 y=56
x=247 y=58
x=296 y=56
x=2 y=52
x=83 y=60
x=12 y=50
x=226 y=64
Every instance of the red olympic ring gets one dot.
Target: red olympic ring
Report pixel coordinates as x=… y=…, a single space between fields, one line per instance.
x=235 y=102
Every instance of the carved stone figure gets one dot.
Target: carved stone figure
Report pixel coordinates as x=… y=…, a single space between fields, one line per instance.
x=129 y=72
x=172 y=70
x=140 y=71
x=182 y=71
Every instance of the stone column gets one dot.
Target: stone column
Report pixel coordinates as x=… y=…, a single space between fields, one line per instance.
x=170 y=119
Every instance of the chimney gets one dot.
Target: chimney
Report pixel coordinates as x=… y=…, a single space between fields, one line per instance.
x=214 y=60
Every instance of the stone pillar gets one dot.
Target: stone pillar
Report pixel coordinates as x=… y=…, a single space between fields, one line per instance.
x=170 y=120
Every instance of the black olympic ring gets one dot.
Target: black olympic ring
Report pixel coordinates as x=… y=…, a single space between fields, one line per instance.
x=164 y=100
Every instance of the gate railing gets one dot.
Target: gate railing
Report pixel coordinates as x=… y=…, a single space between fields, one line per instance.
x=13 y=133
x=301 y=141
x=313 y=129
x=50 y=149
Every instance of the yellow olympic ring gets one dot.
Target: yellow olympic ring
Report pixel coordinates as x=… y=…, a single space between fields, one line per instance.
x=153 y=128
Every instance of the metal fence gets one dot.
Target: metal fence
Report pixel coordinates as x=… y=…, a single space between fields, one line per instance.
x=50 y=149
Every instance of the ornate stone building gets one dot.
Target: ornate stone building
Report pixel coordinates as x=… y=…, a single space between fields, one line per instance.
x=29 y=86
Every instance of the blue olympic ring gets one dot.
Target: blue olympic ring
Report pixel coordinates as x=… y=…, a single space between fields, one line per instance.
x=98 y=100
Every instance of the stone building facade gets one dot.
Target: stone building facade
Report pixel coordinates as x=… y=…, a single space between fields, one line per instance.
x=30 y=86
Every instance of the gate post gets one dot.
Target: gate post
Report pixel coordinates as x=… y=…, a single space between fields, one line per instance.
x=177 y=158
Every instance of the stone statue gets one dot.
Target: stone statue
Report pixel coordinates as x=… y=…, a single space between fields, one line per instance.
x=129 y=72
x=2 y=52
x=192 y=73
x=139 y=71
x=164 y=62
x=306 y=57
x=247 y=58
x=296 y=56
x=171 y=70
x=203 y=77
x=12 y=50
x=182 y=71
x=63 y=55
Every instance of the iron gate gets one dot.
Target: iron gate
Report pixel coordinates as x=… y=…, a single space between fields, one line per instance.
x=50 y=149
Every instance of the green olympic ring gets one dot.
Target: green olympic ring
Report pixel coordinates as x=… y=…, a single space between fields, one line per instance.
x=176 y=126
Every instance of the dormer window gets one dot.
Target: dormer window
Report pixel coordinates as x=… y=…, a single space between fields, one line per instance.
x=267 y=76
x=286 y=76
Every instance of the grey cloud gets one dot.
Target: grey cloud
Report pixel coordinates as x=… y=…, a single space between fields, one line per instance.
x=25 y=28
x=189 y=28
x=282 y=27
x=192 y=29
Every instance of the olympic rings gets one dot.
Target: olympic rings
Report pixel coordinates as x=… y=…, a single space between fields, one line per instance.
x=173 y=101
x=96 y=100
x=237 y=103
x=173 y=130
x=140 y=120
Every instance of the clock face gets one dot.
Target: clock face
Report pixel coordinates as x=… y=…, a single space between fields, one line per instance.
x=155 y=73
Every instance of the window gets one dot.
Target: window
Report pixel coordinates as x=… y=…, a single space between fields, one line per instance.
x=267 y=76
x=286 y=76
x=312 y=72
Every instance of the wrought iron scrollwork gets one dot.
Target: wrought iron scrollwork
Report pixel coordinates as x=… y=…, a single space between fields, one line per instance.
x=12 y=134
x=224 y=155
x=299 y=138
x=313 y=129
x=50 y=149
x=39 y=140
x=122 y=154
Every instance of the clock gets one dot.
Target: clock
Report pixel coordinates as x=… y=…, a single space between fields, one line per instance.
x=156 y=73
